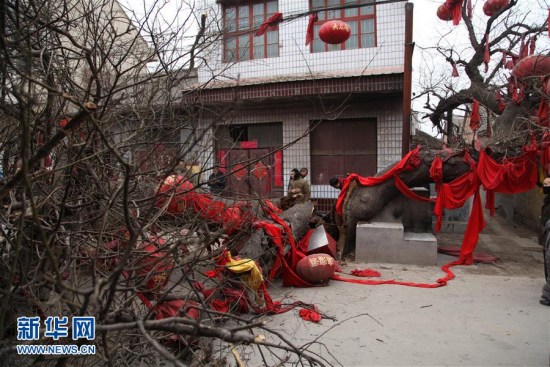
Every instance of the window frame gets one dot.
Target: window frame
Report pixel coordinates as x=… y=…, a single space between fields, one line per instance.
x=341 y=15
x=255 y=44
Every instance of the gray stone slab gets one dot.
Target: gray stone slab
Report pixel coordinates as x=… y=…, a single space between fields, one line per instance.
x=386 y=242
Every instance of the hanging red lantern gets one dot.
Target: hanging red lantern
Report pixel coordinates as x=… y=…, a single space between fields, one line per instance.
x=334 y=32
x=491 y=7
x=534 y=65
x=174 y=188
x=444 y=12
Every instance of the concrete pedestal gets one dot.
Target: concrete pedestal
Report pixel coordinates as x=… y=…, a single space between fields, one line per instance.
x=386 y=242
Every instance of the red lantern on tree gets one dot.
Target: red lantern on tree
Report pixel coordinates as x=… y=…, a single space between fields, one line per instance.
x=530 y=66
x=444 y=12
x=334 y=32
x=491 y=7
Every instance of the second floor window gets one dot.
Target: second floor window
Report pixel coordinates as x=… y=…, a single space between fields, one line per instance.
x=361 y=20
x=240 y=21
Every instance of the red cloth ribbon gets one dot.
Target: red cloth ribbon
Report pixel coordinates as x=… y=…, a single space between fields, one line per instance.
x=501 y=105
x=365 y=273
x=269 y=24
x=512 y=176
x=310 y=26
x=455 y=70
x=475 y=118
x=310 y=315
x=544 y=112
x=410 y=162
x=486 y=55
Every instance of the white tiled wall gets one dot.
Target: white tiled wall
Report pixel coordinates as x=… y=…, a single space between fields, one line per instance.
x=295 y=57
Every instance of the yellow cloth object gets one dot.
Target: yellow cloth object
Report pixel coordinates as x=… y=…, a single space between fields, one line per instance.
x=253 y=278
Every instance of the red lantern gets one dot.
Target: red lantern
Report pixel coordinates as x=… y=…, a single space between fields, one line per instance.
x=491 y=7
x=316 y=268
x=534 y=65
x=444 y=12
x=334 y=32
x=174 y=188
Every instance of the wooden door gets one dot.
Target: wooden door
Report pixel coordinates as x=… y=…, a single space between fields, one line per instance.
x=248 y=177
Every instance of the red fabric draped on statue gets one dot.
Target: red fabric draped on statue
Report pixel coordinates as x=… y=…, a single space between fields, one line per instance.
x=453 y=195
x=410 y=162
x=512 y=176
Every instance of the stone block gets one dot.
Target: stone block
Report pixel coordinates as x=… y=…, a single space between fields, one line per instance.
x=386 y=242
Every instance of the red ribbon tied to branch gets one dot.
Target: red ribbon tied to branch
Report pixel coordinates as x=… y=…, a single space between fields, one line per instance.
x=269 y=23
x=475 y=119
x=309 y=33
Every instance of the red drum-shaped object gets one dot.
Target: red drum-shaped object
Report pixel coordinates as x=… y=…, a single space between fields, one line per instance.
x=334 y=32
x=534 y=65
x=444 y=12
x=316 y=268
x=175 y=189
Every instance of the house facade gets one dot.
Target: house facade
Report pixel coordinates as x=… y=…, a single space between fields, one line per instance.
x=271 y=103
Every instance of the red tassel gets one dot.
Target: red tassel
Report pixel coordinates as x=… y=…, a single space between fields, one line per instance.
x=475 y=119
x=544 y=113
x=532 y=45
x=455 y=70
x=309 y=33
x=523 y=48
x=457 y=12
x=469 y=6
x=269 y=23
x=501 y=105
x=487 y=55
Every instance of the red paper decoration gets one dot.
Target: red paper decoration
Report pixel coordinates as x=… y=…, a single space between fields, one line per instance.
x=334 y=32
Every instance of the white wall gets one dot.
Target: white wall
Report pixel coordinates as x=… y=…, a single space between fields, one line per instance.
x=295 y=58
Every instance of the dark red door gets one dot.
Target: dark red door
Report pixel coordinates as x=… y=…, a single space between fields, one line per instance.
x=250 y=173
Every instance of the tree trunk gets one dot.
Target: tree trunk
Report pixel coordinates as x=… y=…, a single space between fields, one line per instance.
x=364 y=203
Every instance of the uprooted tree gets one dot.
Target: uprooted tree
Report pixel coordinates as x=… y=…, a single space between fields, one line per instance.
x=91 y=123
x=499 y=86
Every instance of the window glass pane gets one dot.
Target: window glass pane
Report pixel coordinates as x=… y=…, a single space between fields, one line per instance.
x=367 y=10
x=244 y=21
x=333 y=14
x=319 y=4
x=351 y=12
x=353 y=41
x=367 y=26
x=367 y=40
x=259 y=49
x=230 y=20
x=273 y=37
x=318 y=45
x=334 y=47
x=259 y=52
x=244 y=47
x=272 y=50
x=230 y=49
x=258 y=11
x=272 y=8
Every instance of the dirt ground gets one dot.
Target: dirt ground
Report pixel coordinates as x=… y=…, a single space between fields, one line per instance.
x=489 y=315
